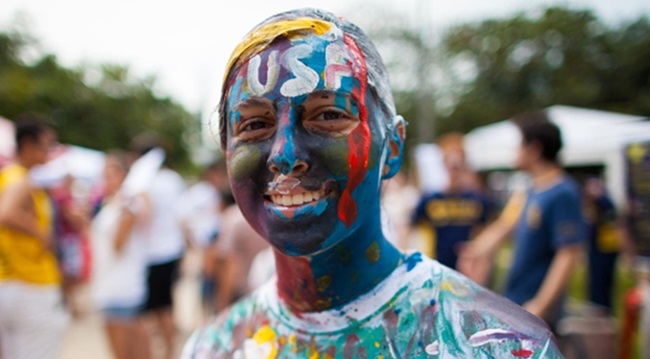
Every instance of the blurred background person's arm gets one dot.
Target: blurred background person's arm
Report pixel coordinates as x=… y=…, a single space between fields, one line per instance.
x=136 y=212
x=17 y=212
x=475 y=259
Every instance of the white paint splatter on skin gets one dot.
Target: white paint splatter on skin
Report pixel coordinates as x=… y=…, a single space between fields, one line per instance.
x=252 y=75
x=337 y=58
x=353 y=312
x=306 y=79
x=433 y=348
x=490 y=336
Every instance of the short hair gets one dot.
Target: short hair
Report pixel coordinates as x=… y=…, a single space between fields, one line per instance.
x=29 y=128
x=535 y=127
x=305 y=22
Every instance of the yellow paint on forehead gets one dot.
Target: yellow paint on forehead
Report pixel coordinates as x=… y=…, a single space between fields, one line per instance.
x=257 y=40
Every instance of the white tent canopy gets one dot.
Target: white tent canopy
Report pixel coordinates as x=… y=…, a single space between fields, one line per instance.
x=590 y=137
x=82 y=163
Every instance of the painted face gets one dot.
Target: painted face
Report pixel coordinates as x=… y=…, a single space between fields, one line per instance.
x=306 y=139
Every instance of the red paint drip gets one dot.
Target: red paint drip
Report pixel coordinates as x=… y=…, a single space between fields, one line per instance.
x=522 y=353
x=351 y=346
x=358 y=141
x=296 y=285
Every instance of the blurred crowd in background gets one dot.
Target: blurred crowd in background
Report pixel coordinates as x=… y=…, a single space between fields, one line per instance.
x=105 y=228
x=122 y=234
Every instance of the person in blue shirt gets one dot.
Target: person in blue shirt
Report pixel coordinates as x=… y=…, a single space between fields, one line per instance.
x=546 y=224
x=453 y=215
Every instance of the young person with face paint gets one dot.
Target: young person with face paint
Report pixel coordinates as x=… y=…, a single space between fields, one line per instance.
x=310 y=132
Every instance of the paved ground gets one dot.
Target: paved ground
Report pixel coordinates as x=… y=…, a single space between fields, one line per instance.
x=85 y=336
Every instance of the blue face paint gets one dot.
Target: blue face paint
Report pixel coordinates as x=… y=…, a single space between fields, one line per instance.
x=303 y=130
x=292 y=143
x=315 y=210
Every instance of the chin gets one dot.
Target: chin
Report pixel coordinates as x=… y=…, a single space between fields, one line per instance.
x=300 y=230
x=297 y=246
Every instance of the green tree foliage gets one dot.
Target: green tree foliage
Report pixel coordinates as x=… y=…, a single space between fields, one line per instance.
x=97 y=107
x=498 y=68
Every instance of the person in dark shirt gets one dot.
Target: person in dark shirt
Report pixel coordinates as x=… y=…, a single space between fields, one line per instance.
x=453 y=215
x=604 y=242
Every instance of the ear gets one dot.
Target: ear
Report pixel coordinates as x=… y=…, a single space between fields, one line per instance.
x=395 y=148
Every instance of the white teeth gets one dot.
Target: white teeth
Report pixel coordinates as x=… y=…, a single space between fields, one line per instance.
x=286 y=200
x=297 y=199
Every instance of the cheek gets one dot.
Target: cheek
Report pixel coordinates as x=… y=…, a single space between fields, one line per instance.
x=335 y=157
x=244 y=161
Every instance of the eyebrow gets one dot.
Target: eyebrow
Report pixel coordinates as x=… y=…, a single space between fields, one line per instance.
x=327 y=93
x=253 y=102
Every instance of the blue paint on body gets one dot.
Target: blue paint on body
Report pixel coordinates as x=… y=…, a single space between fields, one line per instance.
x=413 y=260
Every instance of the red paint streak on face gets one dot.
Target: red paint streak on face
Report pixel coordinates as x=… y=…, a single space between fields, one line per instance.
x=521 y=353
x=296 y=285
x=358 y=141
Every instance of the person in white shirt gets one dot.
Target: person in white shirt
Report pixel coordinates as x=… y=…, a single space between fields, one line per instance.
x=165 y=242
x=201 y=210
x=118 y=235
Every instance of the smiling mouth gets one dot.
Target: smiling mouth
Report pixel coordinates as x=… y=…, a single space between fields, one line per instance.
x=297 y=199
x=299 y=196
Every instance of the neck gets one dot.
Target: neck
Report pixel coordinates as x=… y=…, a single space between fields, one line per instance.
x=544 y=172
x=337 y=275
x=454 y=188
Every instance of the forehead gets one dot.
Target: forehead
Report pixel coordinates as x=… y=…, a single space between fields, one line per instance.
x=296 y=66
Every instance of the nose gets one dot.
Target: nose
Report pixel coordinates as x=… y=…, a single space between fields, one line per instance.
x=284 y=159
x=285 y=168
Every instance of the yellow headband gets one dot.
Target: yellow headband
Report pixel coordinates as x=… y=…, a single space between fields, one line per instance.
x=258 y=39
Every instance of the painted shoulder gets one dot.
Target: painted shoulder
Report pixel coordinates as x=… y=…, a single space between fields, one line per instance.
x=424 y=310
x=216 y=339
x=472 y=321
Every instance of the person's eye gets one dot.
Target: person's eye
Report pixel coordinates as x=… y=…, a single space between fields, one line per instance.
x=331 y=121
x=254 y=125
x=331 y=115
x=255 y=129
